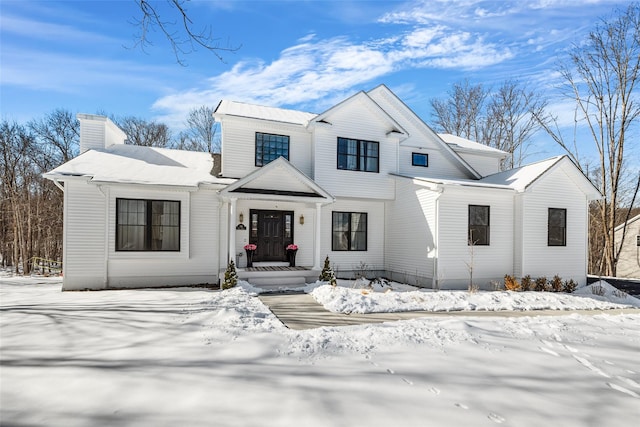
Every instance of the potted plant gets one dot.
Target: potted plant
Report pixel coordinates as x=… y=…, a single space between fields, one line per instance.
x=291 y=254
x=250 y=249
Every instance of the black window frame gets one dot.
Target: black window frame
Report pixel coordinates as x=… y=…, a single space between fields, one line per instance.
x=273 y=141
x=349 y=231
x=553 y=239
x=485 y=227
x=362 y=162
x=424 y=155
x=148 y=225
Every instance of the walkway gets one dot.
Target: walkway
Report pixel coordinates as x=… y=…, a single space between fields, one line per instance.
x=301 y=311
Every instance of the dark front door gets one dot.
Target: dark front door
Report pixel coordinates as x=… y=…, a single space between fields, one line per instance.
x=271 y=231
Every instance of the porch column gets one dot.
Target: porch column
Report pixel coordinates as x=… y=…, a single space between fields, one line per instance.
x=316 y=261
x=232 y=230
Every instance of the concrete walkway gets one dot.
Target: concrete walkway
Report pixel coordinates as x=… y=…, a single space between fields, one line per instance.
x=301 y=311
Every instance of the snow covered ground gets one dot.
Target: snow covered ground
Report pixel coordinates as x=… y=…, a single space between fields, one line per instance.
x=200 y=357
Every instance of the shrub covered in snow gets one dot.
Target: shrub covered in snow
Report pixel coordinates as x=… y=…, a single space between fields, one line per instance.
x=327 y=274
x=230 y=276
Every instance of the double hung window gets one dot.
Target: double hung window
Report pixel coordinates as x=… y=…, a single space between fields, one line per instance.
x=349 y=231
x=358 y=155
x=478 y=225
x=147 y=225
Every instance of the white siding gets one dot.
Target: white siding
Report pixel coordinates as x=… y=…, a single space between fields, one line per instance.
x=484 y=165
x=410 y=245
x=92 y=135
x=629 y=262
x=239 y=145
x=303 y=234
x=421 y=138
x=345 y=262
x=195 y=263
x=279 y=179
x=356 y=121
x=554 y=190
x=490 y=262
x=84 y=230
x=518 y=248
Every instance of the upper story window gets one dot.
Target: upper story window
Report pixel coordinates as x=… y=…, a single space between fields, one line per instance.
x=557 y=227
x=269 y=147
x=420 y=159
x=478 y=225
x=147 y=225
x=358 y=155
x=349 y=231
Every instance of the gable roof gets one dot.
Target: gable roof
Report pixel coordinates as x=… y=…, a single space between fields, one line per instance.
x=364 y=97
x=281 y=179
x=464 y=145
x=631 y=220
x=135 y=164
x=384 y=91
x=241 y=109
x=524 y=177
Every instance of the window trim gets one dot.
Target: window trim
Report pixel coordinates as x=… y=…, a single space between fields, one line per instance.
x=426 y=157
x=262 y=162
x=488 y=226
x=349 y=231
x=563 y=227
x=148 y=225
x=359 y=157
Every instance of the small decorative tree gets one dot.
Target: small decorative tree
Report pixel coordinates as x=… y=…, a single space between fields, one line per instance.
x=230 y=276
x=327 y=274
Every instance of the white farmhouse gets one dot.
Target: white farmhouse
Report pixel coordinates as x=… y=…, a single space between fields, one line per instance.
x=366 y=183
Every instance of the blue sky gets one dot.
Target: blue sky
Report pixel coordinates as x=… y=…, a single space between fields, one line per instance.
x=308 y=55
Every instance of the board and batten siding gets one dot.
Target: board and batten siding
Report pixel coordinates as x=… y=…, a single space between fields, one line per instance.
x=84 y=236
x=355 y=121
x=347 y=262
x=197 y=262
x=554 y=190
x=239 y=145
x=490 y=263
x=410 y=245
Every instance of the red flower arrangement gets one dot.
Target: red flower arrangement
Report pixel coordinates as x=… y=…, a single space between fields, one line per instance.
x=250 y=247
x=292 y=247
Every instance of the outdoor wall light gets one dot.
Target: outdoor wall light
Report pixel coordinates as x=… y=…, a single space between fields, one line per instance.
x=301 y=219
x=241 y=217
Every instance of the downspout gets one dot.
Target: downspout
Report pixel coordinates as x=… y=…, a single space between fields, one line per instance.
x=436 y=250
x=105 y=278
x=57 y=184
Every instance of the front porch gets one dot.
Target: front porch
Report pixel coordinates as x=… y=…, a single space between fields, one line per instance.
x=276 y=276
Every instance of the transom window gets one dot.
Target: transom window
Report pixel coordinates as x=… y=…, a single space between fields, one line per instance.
x=420 y=159
x=269 y=147
x=358 y=155
x=349 y=231
x=147 y=225
x=557 y=227
x=478 y=225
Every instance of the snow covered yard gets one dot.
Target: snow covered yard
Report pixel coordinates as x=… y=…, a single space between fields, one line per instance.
x=201 y=357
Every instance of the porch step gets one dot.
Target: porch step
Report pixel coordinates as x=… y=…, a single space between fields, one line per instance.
x=278 y=281
x=277 y=276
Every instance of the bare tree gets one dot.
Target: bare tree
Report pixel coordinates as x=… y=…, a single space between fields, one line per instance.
x=600 y=77
x=202 y=132
x=172 y=19
x=143 y=132
x=510 y=121
x=504 y=119
x=461 y=113
x=59 y=131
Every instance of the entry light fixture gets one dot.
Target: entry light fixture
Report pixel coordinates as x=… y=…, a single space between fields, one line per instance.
x=301 y=219
x=241 y=218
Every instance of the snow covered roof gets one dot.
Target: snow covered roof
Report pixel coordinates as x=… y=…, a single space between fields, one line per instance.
x=241 y=109
x=465 y=145
x=520 y=178
x=631 y=220
x=141 y=165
